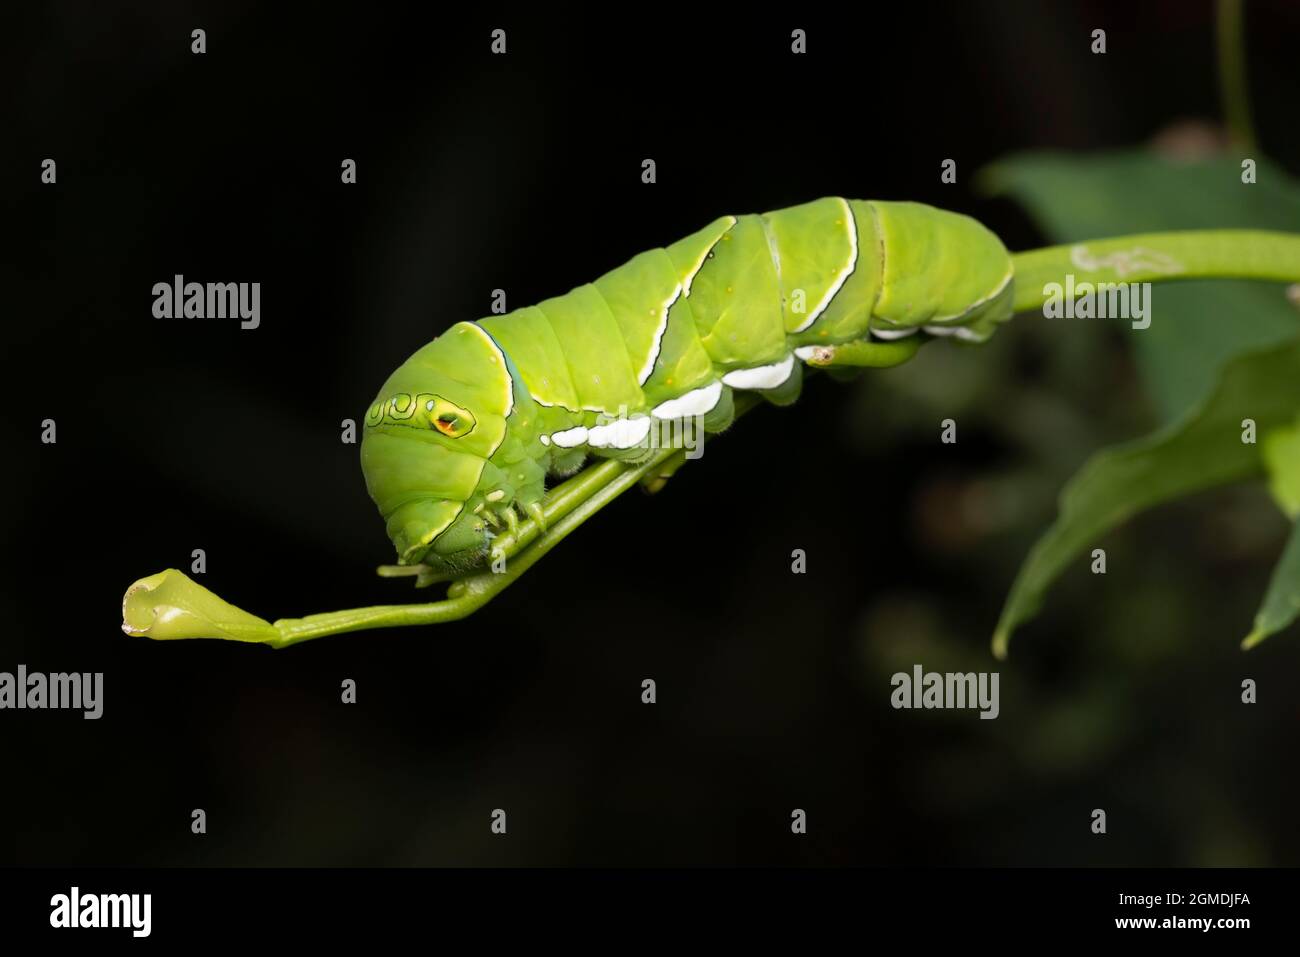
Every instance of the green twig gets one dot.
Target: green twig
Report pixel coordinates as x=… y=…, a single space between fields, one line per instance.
x=170 y=605
x=1233 y=87
x=1158 y=257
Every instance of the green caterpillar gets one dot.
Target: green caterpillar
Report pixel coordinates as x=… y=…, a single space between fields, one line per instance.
x=468 y=429
x=471 y=425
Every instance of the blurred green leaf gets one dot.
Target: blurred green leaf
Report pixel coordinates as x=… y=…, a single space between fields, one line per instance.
x=1281 y=451
x=1282 y=602
x=1202 y=450
x=1196 y=326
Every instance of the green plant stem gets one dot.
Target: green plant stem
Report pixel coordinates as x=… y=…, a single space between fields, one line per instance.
x=169 y=605
x=1233 y=88
x=1159 y=257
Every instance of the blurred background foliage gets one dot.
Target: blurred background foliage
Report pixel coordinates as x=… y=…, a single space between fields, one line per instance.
x=476 y=173
x=1216 y=353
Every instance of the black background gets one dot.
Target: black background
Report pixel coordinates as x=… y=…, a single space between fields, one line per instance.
x=521 y=172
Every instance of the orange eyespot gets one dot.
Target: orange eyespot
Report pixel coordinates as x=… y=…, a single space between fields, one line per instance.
x=449 y=419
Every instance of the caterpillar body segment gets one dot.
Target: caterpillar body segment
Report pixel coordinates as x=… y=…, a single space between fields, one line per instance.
x=470 y=426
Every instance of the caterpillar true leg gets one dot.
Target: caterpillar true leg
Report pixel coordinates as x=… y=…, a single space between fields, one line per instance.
x=557 y=503
x=537 y=513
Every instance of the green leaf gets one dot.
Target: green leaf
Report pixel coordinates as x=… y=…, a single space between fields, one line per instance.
x=1281 y=451
x=172 y=605
x=1203 y=450
x=1195 y=326
x=1282 y=603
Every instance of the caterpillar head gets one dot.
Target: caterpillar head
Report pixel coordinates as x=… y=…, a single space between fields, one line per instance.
x=428 y=437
